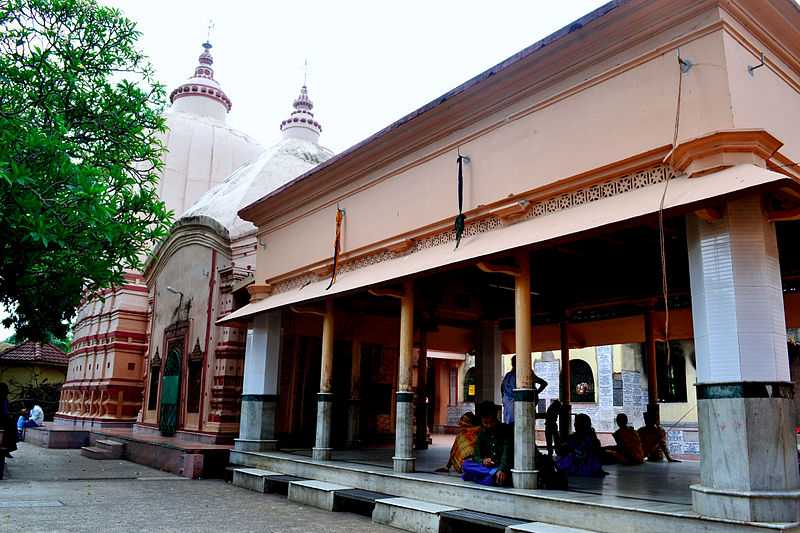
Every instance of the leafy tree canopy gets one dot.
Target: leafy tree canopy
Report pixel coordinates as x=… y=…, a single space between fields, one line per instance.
x=80 y=119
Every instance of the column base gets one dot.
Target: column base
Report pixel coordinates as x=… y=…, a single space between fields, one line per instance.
x=525 y=479
x=404 y=465
x=748 y=466
x=404 y=461
x=524 y=472
x=747 y=506
x=321 y=454
x=253 y=445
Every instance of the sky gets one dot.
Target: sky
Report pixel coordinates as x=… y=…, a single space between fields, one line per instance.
x=369 y=63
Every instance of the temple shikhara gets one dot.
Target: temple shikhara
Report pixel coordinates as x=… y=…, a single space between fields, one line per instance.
x=615 y=207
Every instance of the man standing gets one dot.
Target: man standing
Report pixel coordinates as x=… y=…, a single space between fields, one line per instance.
x=508 y=386
x=494 y=450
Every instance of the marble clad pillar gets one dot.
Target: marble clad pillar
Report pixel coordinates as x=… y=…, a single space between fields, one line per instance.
x=524 y=473
x=260 y=386
x=489 y=363
x=403 y=459
x=748 y=468
x=354 y=404
x=322 y=446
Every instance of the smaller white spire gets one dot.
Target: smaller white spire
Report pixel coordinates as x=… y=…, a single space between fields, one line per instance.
x=301 y=123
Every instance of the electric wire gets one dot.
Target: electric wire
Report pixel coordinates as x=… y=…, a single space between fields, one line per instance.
x=661 y=232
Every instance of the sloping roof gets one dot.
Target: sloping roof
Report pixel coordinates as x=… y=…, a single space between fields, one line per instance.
x=35 y=352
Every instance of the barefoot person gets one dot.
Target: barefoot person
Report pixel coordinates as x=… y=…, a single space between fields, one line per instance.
x=494 y=450
x=654 y=440
x=464 y=446
x=628 y=450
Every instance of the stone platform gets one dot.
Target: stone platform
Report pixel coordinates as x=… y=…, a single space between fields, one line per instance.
x=626 y=510
x=55 y=436
x=185 y=458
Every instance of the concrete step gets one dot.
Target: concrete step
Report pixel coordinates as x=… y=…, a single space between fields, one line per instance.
x=94 y=452
x=252 y=478
x=319 y=494
x=116 y=449
x=409 y=514
x=357 y=501
x=464 y=520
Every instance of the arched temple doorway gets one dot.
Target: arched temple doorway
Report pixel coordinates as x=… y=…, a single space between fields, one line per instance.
x=170 y=391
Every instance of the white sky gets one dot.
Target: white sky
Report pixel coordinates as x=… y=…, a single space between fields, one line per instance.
x=370 y=63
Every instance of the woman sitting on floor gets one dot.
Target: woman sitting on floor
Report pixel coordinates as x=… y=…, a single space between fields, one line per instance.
x=581 y=454
x=464 y=445
x=494 y=450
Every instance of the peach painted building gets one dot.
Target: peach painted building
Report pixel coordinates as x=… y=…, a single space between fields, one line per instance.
x=630 y=179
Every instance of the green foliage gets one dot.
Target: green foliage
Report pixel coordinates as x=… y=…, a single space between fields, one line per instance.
x=36 y=392
x=80 y=117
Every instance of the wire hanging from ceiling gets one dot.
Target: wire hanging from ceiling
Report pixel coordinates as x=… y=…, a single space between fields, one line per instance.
x=684 y=66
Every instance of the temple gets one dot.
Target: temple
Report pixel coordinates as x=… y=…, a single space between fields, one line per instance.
x=104 y=383
x=616 y=203
x=193 y=368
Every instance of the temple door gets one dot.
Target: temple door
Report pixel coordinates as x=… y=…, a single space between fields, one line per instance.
x=170 y=392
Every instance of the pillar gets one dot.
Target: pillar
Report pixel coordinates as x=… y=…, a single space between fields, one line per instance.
x=748 y=468
x=524 y=473
x=404 y=442
x=322 y=446
x=489 y=363
x=354 y=404
x=260 y=385
x=421 y=439
x=565 y=385
x=652 y=376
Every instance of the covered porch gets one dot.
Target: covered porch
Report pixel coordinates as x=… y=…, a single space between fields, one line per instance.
x=585 y=275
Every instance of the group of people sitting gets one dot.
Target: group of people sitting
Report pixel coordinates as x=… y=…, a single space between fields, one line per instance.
x=483 y=450
x=582 y=455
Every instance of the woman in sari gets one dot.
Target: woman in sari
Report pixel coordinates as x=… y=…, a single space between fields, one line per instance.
x=581 y=453
x=464 y=445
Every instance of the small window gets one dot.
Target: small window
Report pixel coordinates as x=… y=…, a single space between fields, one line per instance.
x=131 y=366
x=453 y=400
x=618 y=388
x=152 y=395
x=193 y=385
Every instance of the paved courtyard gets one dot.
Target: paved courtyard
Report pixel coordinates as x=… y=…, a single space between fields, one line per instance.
x=60 y=490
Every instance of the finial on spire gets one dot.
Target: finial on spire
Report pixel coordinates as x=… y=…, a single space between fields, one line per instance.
x=305 y=72
x=208 y=34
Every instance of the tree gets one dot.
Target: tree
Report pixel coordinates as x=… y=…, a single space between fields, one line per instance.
x=80 y=151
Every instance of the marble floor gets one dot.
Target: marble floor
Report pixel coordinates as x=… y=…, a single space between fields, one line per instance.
x=653 y=482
